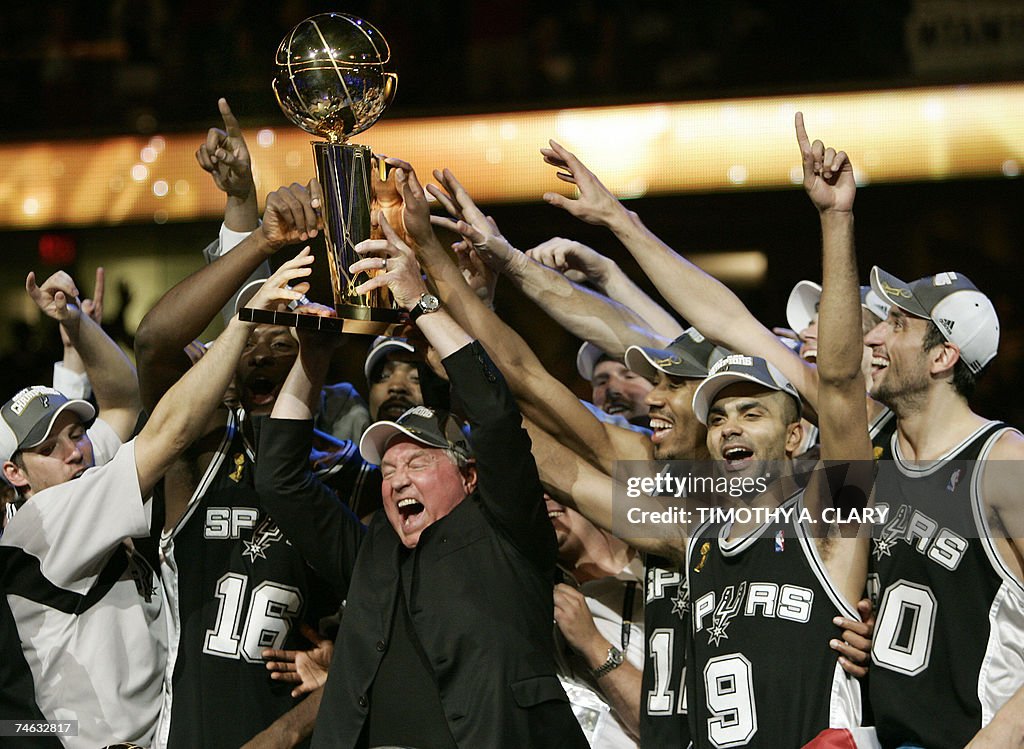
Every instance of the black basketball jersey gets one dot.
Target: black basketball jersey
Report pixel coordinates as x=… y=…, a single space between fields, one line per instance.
x=949 y=633
x=663 y=721
x=761 y=672
x=236 y=586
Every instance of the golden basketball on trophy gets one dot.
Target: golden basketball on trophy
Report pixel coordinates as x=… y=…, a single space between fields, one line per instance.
x=334 y=79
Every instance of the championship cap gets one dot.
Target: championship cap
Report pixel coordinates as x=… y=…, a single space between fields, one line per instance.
x=739 y=368
x=382 y=346
x=689 y=355
x=428 y=426
x=27 y=418
x=806 y=295
x=964 y=316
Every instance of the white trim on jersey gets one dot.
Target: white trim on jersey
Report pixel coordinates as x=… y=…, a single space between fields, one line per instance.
x=739 y=545
x=1000 y=675
x=169 y=573
x=884 y=417
x=1002 y=670
x=230 y=429
x=845 y=704
x=916 y=472
x=688 y=562
x=980 y=511
x=242 y=415
x=817 y=565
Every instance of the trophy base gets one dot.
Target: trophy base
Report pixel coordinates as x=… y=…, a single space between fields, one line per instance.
x=351 y=319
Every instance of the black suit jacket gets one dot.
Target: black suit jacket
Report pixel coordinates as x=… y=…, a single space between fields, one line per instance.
x=481 y=597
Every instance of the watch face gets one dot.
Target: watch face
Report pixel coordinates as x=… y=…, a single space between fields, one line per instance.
x=429 y=302
x=615 y=656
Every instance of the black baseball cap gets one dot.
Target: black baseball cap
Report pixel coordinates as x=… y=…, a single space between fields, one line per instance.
x=432 y=427
x=739 y=368
x=690 y=355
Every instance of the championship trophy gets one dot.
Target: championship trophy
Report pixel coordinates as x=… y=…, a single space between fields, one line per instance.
x=334 y=79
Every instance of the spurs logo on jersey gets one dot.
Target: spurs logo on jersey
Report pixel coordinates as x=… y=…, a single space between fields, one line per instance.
x=143 y=575
x=262 y=537
x=771 y=600
x=941 y=545
x=227 y=523
x=659 y=580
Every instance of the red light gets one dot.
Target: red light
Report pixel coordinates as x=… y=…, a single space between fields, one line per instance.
x=57 y=249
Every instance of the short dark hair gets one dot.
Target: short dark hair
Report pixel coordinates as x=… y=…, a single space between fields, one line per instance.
x=964 y=380
x=791 y=409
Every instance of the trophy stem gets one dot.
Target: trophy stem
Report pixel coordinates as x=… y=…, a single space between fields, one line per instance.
x=344 y=171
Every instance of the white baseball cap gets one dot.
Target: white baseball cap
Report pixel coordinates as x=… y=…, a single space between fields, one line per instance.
x=806 y=295
x=964 y=316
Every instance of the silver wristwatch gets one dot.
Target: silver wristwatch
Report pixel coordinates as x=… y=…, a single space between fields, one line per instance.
x=615 y=659
x=427 y=303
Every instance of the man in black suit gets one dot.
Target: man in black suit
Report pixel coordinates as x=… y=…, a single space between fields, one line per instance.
x=446 y=636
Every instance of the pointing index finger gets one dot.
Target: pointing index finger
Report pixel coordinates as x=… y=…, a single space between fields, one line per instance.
x=801 y=134
x=230 y=123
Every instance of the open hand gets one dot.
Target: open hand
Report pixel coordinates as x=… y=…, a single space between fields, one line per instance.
x=276 y=292
x=306 y=668
x=466 y=219
x=595 y=203
x=401 y=272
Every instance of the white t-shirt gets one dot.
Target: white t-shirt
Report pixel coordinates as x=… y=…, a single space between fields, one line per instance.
x=605 y=600
x=90 y=612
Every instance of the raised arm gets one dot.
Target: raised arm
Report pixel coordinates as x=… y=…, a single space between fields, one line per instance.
x=609 y=324
x=180 y=415
x=543 y=398
x=111 y=372
x=699 y=298
x=580 y=263
x=69 y=375
x=510 y=489
x=842 y=418
x=829 y=182
x=184 y=312
x=324 y=530
x=225 y=155
x=576 y=483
